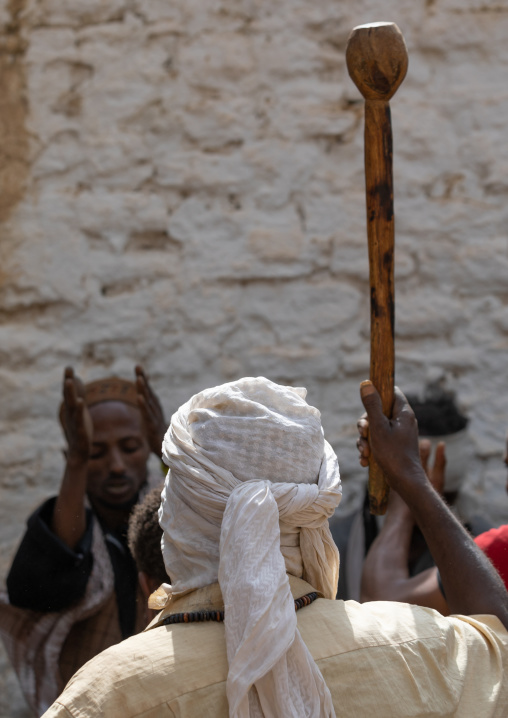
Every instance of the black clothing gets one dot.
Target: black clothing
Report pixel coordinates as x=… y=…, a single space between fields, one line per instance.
x=46 y=575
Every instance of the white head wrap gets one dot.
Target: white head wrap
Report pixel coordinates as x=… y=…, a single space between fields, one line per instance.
x=251 y=485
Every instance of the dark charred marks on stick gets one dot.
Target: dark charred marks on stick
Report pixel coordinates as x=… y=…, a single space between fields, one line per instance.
x=385 y=192
x=386 y=188
x=374 y=305
x=387 y=136
x=380 y=201
x=388 y=260
x=377 y=311
x=391 y=310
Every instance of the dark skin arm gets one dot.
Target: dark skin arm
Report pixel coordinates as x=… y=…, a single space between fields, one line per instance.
x=471 y=584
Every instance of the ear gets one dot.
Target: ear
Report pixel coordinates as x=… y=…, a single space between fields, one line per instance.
x=148 y=584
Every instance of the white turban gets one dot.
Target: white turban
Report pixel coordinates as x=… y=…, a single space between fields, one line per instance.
x=251 y=485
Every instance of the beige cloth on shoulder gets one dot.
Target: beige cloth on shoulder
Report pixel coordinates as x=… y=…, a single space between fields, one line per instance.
x=251 y=486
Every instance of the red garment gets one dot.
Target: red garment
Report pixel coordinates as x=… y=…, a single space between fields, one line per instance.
x=494 y=544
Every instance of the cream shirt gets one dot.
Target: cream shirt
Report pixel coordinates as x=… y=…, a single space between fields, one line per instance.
x=381 y=659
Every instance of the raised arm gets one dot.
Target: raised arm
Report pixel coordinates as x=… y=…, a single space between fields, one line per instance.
x=69 y=516
x=54 y=554
x=471 y=584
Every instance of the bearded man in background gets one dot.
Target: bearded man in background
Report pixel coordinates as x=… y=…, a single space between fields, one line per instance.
x=72 y=587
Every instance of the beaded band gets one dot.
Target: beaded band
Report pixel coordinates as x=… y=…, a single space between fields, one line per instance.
x=197 y=616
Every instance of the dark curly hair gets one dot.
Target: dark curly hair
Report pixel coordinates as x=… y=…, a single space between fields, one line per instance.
x=144 y=536
x=437 y=413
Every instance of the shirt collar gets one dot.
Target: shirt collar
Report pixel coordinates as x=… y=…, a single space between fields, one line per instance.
x=209 y=598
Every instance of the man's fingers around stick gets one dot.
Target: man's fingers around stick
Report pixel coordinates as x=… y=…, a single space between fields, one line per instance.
x=400 y=403
x=364 y=451
x=363 y=426
x=393 y=442
x=372 y=403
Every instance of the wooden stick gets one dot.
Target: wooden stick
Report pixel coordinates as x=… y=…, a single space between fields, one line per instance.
x=376 y=58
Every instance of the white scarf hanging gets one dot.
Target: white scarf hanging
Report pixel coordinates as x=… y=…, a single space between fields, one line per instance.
x=251 y=485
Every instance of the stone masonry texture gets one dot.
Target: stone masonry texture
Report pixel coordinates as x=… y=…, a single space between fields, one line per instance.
x=181 y=186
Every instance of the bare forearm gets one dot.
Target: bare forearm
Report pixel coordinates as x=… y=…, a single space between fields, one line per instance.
x=69 y=517
x=389 y=581
x=385 y=569
x=471 y=584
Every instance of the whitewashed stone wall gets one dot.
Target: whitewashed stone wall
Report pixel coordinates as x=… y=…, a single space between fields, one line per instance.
x=181 y=185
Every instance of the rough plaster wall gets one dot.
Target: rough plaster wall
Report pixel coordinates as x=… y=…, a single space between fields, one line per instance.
x=181 y=185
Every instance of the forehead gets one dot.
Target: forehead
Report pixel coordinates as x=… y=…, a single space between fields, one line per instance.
x=113 y=419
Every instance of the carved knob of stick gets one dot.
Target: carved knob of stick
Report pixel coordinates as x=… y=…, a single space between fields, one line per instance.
x=376 y=58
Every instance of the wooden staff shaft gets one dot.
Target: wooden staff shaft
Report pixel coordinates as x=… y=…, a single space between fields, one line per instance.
x=380 y=233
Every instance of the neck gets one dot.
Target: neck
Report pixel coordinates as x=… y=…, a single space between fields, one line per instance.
x=113 y=518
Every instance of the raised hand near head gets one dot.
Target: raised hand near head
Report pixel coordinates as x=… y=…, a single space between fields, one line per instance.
x=76 y=420
x=151 y=409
